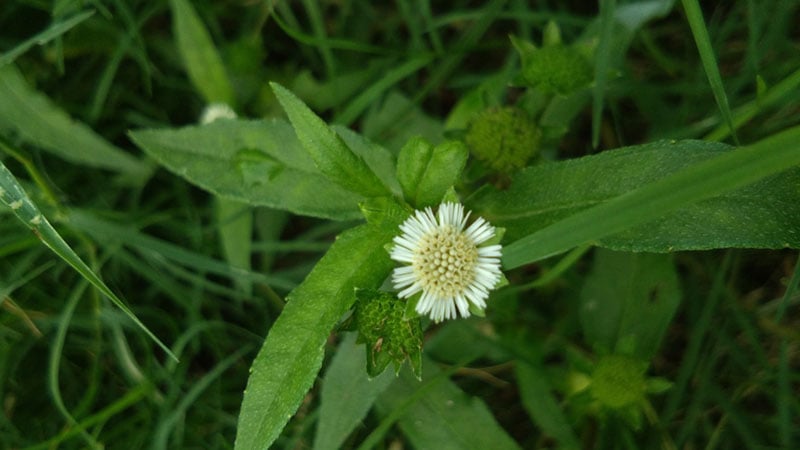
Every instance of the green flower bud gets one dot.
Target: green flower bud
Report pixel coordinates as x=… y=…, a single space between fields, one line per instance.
x=505 y=138
x=619 y=381
x=556 y=68
x=388 y=335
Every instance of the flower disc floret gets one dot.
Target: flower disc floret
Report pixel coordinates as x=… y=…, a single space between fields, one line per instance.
x=446 y=261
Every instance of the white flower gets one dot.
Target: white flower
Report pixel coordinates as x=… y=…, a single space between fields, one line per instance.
x=446 y=261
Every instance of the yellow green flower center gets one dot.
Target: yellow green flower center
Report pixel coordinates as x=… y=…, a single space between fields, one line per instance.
x=445 y=262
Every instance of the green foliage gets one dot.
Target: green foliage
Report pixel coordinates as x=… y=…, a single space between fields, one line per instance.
x=627 y=302
x=202 y=61
x=332 y=156
x=260 y=162
x=347 y=394
x=13 y=196
x=437 y=414
x=715 y=175
x=291 y=356
x=426 y=172
x=32 y=118
x=669 y=323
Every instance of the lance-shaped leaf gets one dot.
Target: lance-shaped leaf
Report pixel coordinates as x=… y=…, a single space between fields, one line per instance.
x=288 y=362
x=659 y=197
x=628 y=301
x=437 y=414
x=260 y=162
x=347 y=394
x=332 y=156
x=36 y=120
x=203 y=63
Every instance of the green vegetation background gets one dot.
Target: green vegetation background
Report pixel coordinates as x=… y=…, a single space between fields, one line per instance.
x=208 y=276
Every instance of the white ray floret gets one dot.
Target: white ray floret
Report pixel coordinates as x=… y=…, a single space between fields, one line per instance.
x=446 y=261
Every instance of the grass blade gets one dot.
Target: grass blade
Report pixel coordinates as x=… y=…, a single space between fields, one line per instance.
x=14 y=196
x=36 y=120
x=602 y=64
x=695 y=17
x=386 y=81
x=774 y=96
x=53 y=31
x=203 y=63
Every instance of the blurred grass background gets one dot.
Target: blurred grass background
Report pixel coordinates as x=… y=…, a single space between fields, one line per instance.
x=75 y=373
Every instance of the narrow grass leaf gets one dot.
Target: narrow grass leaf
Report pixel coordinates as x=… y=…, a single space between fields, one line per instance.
x=289 y=360
x=602 y=65
x=54 y=364
x=638 y=205
x=235 y=226
x=332 y=156
x=14 y=196
x=131 y=398
x=773 y=96
x=387 y=79
x=538 y=399
x=259 y=162
x=315 y=16
x=694 y=15
x=166 y=425
x=347 y=394
x=55 y=30
x=36 y=120
x=784 y=397
x=112 y=233
x=437 y=414
x=397 y=119
x=203 y=63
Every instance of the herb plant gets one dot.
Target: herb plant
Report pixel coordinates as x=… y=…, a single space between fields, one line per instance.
x=433 y=225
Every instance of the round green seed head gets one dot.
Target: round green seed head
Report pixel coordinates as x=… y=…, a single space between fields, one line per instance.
x=504 y=138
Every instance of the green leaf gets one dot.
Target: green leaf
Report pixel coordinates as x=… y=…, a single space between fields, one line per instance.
x=397 y=120
x=260 y=162
x=436 y=414
x=378 y=158
x=113 y=234
x=235 y=227
x=203 y=63
x=603 y=60
x=388 y=78
x=538 y=399
x=332 y=156
x=14 y=196
x=55 y=30
x=694 y=15
x=628 y=301
x=347 y=394
x=288 y=362
x=35 y=120
x=660 y=197
x=766 y=98
x=426 y=172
